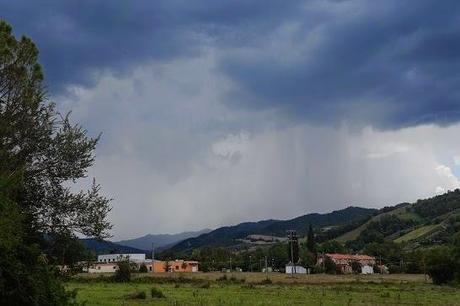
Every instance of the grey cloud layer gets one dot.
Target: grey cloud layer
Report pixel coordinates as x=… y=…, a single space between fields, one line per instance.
x=226 y=111
x=389 y=63
x=181 y=159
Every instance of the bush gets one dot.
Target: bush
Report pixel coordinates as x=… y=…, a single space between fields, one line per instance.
x=205 y=285
x=25 y=276
x=157 y=293
x=440 y=265
x=266 y=281
x=143 y=268
x=138 y=295
x=356 y=267
x=394 y=269
x=248 y=286
x=329 y=266
x=123 y=273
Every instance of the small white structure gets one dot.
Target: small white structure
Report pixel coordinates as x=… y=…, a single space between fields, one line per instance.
x=366 y=269
x=106 y=258
x=291 y=269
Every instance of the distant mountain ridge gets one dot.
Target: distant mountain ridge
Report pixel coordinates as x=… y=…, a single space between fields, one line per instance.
x=228 y=235
x=107 y=247
x=160 y=241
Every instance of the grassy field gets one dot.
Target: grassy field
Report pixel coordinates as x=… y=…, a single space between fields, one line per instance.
x=416 y=233
x=249 y=289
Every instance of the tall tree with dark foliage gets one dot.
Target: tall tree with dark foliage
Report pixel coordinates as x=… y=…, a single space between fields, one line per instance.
x=41 y=155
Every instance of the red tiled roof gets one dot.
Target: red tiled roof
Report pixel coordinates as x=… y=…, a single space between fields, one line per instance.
x=349 y=257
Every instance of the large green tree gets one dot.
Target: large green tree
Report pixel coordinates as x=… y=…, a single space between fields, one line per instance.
x=42 y=155
x=44 y=148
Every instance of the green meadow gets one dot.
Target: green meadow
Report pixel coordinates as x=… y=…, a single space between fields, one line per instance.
x=251 y=290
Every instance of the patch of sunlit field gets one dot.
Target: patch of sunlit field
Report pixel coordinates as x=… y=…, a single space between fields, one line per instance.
x=204 y=289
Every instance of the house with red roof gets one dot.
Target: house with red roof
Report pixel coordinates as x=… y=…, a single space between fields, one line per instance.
x=344 y=262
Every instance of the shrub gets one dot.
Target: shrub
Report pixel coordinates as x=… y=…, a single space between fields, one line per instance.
x=356 y=267
x=329 y=266
x=205 y=285
x=143 y=268
x=123 y=273
x=248 y=286
x=157 y=293
x=266 y=281
x=138 y=295
x=440 y=265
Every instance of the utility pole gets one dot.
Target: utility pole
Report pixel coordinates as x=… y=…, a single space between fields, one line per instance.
x=153 y=258
x=292 y=238
x=230 y=264
x=250 y=263
x=381 y=269
x=323 y=262
x=424 y=268
x=266 y=267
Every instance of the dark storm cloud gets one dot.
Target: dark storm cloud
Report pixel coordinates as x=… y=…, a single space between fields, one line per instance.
x=78 y=38
x=385 y=63
x=391 y=63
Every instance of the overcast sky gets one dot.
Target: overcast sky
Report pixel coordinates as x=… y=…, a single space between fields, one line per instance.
x=218 y=112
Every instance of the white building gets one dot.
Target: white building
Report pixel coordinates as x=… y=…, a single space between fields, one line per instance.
x=367 y=269
x=119 y=257
x=290 y=269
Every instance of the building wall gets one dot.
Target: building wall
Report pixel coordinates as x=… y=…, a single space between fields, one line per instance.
x=183 y=266
x=367 y=269
x=119 y=257
x=298 y=269
x=157 y=266
x=102 y=268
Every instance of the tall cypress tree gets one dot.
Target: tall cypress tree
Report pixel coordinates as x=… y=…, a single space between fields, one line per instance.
x=311 y=244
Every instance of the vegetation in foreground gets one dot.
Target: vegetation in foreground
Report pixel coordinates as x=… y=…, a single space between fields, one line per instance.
x=251 y=289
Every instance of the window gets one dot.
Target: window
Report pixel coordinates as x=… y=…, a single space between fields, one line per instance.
x=150 y=268
x=177 y=267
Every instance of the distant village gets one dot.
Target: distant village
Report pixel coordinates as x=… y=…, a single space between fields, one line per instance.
x=108 y=263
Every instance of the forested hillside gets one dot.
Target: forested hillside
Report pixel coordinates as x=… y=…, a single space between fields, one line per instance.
x=229 y=235
x=427 y=222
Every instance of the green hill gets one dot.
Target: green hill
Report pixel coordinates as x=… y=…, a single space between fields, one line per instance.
x=424 y=223
x=230 y=235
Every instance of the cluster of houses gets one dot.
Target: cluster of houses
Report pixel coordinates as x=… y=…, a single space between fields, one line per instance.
x=343 y=263
x=109 y=263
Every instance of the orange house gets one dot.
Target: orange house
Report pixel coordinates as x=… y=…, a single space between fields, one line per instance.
x=183 y=266
x=177 y=265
